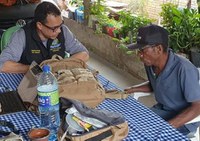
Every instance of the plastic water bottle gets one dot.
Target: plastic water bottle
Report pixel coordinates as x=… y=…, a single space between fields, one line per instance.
x=48 y=99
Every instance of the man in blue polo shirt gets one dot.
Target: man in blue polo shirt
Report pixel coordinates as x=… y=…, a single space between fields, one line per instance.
x=173 y=79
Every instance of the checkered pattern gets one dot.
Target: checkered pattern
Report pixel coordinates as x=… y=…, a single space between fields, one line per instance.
x=107 y=85
x=16 y=78
x=23 y=121
x=144 y=125
x=9 y=81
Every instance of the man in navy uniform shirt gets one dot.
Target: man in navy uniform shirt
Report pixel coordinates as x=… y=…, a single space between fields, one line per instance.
x=39 y=40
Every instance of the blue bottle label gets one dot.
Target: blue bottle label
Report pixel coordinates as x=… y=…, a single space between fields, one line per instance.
x=47 y=99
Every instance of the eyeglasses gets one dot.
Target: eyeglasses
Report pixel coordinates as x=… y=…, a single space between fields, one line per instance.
x=141 y=50
x=55 y=28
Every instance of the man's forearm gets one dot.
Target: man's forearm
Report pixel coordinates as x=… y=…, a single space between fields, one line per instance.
x=14 y=67
x=81 y=55
x=185 y=116
x=142 y=88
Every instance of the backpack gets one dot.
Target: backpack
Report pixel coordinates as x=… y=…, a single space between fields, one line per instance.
x=103 y=125
x=76 y=81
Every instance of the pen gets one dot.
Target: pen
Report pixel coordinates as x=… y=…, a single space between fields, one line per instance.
x=81 y=123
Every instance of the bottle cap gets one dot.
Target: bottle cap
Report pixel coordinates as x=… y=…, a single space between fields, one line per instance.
x=46 y=68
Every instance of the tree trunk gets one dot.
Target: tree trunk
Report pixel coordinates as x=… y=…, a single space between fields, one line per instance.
x=189 y=4
x=86 y=4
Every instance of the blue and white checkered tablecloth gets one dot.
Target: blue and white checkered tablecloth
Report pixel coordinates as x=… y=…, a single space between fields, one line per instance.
x=107 y=85
x=23 y=121
x=9 y=81
x=144 y=125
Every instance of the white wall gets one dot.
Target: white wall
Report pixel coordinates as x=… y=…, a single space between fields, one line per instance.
x=152 y=8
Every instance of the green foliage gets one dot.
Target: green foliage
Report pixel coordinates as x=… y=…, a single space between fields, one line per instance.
x=97 y=8
x=183 y=26
x=125 y=29
x=105 y=20
x=76 y=3
x=125 y=49
x=73 y=2
x=131 y=23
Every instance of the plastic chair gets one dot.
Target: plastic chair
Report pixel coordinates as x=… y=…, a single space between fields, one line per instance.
x=7 y=35
x=196 y=136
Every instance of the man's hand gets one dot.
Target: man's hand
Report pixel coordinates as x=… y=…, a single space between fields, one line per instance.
x=140 y=88
x=187 y=115
x=14 y=67
x=81 y=55
x=129 y=90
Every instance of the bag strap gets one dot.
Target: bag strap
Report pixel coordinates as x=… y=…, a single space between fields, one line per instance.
x=115 y=94
x=10 y=125
x=55 y=58
x=101 y=136
x=32 y=107
x=75 y=60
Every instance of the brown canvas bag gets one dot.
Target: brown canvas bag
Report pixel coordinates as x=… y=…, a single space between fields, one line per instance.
x=116 y=128
x=89 y=90
x=112 y=133
x=76 y=81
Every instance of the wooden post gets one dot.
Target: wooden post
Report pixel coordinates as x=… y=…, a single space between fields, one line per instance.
x=189 y=4
x=86 y=4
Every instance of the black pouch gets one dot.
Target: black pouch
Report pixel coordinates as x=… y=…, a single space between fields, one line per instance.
x=11 y=102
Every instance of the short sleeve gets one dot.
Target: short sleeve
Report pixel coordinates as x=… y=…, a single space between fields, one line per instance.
x=14 y=49
x=190 y=84
x=72 y=45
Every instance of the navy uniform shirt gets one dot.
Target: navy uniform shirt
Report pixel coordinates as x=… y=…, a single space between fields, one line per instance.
x=17 y=43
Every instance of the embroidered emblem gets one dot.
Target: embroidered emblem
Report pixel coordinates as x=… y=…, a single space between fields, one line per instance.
x=55 y=44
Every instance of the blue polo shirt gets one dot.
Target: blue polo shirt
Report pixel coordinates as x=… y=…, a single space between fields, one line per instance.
x=177 y=85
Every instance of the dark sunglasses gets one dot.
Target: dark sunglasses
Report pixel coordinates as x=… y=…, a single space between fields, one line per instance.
x=55 y=28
